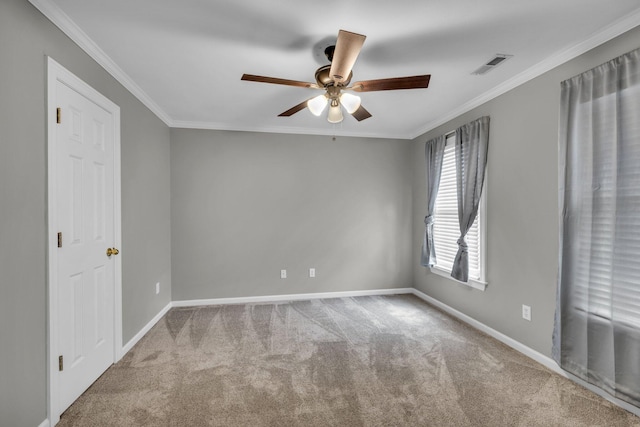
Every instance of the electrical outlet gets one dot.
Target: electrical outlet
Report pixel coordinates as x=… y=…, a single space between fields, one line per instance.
x=157 y=288
x=526 y=312
x=283 y=274
x=312 y=272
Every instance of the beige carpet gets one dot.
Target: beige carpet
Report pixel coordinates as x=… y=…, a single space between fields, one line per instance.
x=367 y=361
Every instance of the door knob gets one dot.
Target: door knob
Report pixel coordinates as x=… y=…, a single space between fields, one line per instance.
x=112 y=251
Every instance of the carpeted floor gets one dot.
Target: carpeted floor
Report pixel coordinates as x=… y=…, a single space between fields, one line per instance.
x=366 y=361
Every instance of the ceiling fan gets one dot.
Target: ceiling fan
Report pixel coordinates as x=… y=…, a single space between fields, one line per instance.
x=334 y=80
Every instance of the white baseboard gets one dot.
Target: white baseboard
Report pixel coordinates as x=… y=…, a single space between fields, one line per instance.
x=290 y=297
x=527 y=351
x=45 y=423
x=133 y=341
x=517 y=345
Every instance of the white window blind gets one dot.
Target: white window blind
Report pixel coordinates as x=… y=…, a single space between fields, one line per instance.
x=446 y=228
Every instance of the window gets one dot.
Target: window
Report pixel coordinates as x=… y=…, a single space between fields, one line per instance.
x=446 y=229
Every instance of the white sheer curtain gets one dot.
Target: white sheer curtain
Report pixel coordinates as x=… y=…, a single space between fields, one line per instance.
x=597 y=328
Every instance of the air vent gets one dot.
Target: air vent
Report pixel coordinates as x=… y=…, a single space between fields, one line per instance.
x=498 y=59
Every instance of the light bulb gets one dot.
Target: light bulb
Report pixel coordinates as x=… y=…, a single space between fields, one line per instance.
x=335 y=113
x=350 y=102
x=316 y=105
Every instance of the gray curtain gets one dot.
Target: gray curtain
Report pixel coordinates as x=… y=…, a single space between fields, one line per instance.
x=597 y=327
x=433 y=155
x=472 y=143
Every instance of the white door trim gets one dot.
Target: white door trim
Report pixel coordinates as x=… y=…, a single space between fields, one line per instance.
x=57 y=73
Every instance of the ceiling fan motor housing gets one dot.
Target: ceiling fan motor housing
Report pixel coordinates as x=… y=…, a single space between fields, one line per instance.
x=323 y=77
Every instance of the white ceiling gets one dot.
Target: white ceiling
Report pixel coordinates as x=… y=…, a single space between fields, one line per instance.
x=184 y=59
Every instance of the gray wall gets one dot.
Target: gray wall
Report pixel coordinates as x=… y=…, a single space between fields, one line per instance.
x=25 y=38
x=245 y=205
x=522 y=204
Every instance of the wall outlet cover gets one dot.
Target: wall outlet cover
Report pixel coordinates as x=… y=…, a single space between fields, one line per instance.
x=526 y=312
x=283 y=274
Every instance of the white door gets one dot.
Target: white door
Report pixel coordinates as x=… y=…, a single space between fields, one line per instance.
x=85 y=219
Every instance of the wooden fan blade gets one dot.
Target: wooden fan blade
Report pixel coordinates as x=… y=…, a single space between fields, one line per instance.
x=347 y=50
x=413 y=82
x=361 y=113
x=277 y=81
x=291 y=111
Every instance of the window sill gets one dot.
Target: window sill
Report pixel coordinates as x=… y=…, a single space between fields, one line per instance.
x=475 y=284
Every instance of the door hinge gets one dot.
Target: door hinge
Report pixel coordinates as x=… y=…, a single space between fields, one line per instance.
x=60 y=363
x=58 y=115
x=59 y=239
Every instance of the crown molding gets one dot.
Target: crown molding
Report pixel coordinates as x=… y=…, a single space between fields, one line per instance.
x=67 y=26
x=78 y=36
x=565 y=55
x=75 y=33
x=285 y=130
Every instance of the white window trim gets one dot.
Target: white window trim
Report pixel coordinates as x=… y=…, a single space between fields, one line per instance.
x=475 y=284
x=481 y=284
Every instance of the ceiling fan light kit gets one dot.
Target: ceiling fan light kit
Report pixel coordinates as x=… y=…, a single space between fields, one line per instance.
x=334 y=79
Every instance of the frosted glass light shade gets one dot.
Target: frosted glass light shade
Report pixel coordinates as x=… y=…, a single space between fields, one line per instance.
x=335 y=114
x=350 y=102
x=316 y=105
